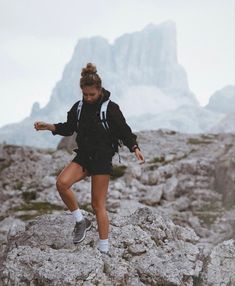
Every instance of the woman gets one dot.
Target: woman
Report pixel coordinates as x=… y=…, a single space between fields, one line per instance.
x=96 y=147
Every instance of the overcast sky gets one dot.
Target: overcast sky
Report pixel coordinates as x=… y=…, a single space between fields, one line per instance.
x=37 y=39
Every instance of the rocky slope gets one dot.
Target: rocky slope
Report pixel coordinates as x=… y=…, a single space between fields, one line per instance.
x=172 y=219
x=223 y=100
x=222 y=103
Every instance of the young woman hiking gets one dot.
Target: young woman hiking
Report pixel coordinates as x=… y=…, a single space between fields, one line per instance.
x=96 y=147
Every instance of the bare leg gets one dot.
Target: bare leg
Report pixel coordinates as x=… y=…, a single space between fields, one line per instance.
x=72 y=173
x=98 y=194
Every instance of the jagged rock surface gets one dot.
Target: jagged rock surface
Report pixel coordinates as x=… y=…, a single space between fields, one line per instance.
x=220 y=266
x=181 y=198
x=146 y=248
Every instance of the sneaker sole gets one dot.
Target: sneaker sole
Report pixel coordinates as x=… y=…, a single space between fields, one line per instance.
x=88 y=228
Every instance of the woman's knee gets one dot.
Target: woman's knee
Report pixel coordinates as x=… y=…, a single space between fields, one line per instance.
x=97 y=207
x=62 y=185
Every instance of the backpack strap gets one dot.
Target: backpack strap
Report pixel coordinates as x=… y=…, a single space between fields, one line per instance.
x=79 y=109
x=103 y=118
x=103 y=113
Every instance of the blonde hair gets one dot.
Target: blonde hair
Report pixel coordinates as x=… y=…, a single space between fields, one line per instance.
x=90 y=77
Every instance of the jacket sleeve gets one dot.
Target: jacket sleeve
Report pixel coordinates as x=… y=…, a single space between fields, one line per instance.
x=67 y=128
x=121 y=128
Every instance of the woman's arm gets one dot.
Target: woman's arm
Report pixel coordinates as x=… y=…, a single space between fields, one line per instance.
x=121 y=128
x=40 y=125
x=62 y=128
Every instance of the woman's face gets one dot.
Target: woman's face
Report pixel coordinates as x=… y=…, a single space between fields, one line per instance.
x=91 y=94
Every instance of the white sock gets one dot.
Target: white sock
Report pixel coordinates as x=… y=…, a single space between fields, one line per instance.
x=103 y=245
x=77 y=215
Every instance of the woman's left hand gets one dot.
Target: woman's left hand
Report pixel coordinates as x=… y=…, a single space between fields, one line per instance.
x=139 y=156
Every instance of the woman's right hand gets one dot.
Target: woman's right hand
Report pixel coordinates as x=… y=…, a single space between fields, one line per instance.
x=40 y=125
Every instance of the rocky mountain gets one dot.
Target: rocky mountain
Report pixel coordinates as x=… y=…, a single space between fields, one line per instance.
x=140 y=66
x=172 y=219
x=188 y=119
x=218 y=116
x=226 y=123
x=223 y=100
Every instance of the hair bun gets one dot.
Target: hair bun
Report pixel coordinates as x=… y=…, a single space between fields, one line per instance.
x=90 y=77
x=89 y=69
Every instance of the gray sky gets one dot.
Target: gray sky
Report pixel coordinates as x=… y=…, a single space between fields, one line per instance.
x=37 y=39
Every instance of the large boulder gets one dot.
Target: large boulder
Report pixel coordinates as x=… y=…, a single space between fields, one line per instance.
x=147 y=248
x=220 y=267
x=225 y=175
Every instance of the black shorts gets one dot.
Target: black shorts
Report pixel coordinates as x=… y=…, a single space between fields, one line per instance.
x=95 y=162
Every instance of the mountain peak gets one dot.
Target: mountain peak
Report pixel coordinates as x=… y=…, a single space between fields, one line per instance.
x=169 y=24
x=149 y=27
x=142 y=63
x=223 y=100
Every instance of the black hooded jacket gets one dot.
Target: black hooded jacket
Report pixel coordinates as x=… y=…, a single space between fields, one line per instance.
x=90 y=132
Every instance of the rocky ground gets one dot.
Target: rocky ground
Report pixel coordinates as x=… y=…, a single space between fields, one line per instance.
x=172 y=219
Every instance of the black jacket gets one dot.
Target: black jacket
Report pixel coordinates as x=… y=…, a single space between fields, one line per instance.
x=117 y=123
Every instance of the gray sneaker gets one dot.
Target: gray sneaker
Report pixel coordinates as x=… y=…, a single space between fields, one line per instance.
x=80 y=230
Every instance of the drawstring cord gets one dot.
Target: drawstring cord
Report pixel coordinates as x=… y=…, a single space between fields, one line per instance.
x=119 y=157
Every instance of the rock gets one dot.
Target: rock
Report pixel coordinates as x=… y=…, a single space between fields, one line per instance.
x=187 y=184
x=182 y=203
x=225 y=175
x=153 y=178
x=10 y=225
x=136 y=171
x=152 y=195
x=48 y=181
x=170 y=188
x=219 y=267
x=68 y=143
x=4 y=156
x=127 y=207
x=154 y=270
x=146 y=247
x=119 y=185
x=50 y=267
